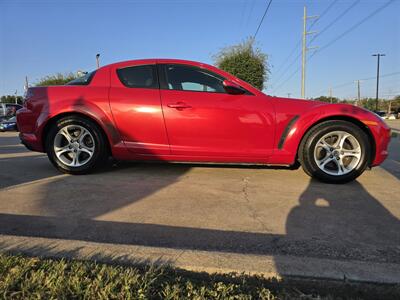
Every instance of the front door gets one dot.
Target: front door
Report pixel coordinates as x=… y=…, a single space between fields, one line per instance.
x=203 y=120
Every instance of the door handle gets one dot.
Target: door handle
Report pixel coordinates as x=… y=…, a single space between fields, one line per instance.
x=179 y=105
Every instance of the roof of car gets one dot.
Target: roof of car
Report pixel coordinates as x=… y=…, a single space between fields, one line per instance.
x=134 y=62
x=158 y=60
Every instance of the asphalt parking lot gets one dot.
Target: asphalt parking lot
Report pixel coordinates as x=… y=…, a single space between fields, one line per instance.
x=253 y=219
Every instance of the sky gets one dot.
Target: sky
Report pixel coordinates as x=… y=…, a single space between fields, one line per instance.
x=44 y=37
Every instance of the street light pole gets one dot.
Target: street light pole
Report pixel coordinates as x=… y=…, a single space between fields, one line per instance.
x=358 y=103
x=97 y=60
x=378 y=55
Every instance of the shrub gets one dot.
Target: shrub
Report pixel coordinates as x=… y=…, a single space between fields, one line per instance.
x=57 y=79
x=244 y=61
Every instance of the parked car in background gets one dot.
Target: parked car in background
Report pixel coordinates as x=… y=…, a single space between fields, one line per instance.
x=8 y=110
x=184 y=111
x=390 y=117
x=385 y=116
x=380 y=114
x=9 y=124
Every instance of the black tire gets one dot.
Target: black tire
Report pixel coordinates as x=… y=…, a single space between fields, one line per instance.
x=310 y=140
x=100 y=153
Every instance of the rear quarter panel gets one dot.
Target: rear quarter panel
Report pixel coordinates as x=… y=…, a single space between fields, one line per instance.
x=91 y=101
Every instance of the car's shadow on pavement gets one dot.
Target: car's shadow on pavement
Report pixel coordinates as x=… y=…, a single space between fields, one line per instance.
x=329 y=221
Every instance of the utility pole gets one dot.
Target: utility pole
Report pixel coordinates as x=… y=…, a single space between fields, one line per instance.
x=330 y=94
x=378 y=55
x=26 y=87
x=304 y=51
x=97 y=60
x=26 y=83
x=389 y=111
x=16 y=100
x=358 y=93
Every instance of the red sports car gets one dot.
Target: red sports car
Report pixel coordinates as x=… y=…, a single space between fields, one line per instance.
x=184 y=111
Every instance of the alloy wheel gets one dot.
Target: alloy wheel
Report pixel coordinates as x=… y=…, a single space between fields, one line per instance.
x=74 y=145
x=337 y=153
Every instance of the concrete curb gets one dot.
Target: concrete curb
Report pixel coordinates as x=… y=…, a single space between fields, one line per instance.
x=395 y=130
x=205 y=261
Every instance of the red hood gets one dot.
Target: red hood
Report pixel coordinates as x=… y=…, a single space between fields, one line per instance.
x=296 y=106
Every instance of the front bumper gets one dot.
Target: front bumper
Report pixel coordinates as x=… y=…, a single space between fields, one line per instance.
x=382 y=136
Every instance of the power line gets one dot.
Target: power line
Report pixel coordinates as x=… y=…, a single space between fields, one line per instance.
x=323 y=13
x=300 y=40
x=262 y=19
x=336 y=19
x=288 y=67
x=251 y=11
x=287 y=79
x=355 y=26
x=363 y=79
x=323 y=30
x=386 y=75
x=343 y=34
x=243 y=14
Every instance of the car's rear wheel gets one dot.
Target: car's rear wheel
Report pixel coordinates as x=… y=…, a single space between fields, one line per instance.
x=76 y=145
x=335 y=151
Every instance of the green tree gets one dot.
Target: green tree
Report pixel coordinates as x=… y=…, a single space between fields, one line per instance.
x=11 y=99
x=370 y=103
x=246 y=62
x=57 y=79
x=327 y=99
x=395 y=105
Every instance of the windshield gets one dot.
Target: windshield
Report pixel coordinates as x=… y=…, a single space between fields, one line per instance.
x=84 y=80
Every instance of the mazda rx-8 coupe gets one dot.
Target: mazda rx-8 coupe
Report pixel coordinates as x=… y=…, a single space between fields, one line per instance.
x=183 y=111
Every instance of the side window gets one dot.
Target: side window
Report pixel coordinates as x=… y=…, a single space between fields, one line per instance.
x=187 y=78
x=83 y=80
x=139 y=77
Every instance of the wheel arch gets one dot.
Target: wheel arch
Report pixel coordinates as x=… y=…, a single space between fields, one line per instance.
x=53 y=120
x=350 y=119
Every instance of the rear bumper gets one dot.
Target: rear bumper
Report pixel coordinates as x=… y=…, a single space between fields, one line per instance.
x=31 y=142
x=27 y=125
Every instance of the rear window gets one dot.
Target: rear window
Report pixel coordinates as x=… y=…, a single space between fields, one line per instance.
x=139 y=77
x=17 y=106
x=84 y=80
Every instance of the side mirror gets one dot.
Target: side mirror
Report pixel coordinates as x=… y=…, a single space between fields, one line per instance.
x=233 y=88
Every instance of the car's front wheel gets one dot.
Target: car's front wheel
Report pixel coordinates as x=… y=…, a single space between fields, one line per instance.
x=76 y=145
x=335 y=151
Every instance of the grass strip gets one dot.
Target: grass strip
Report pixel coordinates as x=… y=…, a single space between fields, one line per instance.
x=37 y=278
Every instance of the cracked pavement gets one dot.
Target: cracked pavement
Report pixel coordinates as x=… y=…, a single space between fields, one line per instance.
x=273 y=221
